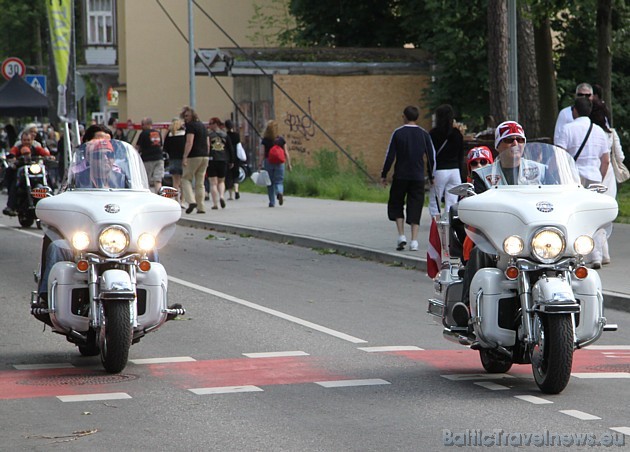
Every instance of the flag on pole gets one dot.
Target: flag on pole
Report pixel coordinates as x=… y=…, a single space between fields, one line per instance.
x=434 y=251
x=60 y=24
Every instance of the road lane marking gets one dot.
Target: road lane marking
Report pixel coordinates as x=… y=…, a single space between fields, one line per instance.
x=390 y=348
x=94 y=397
x=275 y=354
x=349 y=383
x=580 y=415
x=462 y=377
x=601 y=375
x=533 y=399
x=43 y=366
x=624 y=430
x=608 y=347
x=273 y=312
x=225 y=390
x=172 y=359
x=23 y=231
x=491 y=386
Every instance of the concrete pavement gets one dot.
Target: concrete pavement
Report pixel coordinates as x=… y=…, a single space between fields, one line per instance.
x=362 y=229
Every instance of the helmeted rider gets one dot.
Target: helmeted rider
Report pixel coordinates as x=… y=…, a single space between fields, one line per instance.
x=509 y=168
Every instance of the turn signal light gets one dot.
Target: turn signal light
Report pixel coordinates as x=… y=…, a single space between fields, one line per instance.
x=511 y=272
x=581 y=272
x=82 y=265
x=144 y=266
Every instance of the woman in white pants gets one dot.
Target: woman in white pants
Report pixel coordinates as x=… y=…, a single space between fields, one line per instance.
x=449 y=149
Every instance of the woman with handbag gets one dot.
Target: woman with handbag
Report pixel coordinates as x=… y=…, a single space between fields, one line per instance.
x=617 y=171
x=449 y=157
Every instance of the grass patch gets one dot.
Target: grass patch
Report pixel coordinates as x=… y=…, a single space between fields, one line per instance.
x=327 y=179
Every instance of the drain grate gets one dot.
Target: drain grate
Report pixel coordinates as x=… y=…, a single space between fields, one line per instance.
x=77 y=380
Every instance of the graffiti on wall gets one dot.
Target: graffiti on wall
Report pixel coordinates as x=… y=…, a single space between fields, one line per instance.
x=301 y=129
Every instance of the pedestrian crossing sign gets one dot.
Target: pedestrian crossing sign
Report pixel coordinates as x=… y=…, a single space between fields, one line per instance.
x=37 y=81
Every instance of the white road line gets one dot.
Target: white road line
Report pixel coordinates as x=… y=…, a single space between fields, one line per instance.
x=172 y=359
x=43 y=366
x=94 y=397
x=225 y=390
x=491 y=386
x=533 y=399
x=601 y=375
x=349 y=383
x=23 y=231
x=463 y=377
x=580 y=415
x=290 y=318
x=620 y=353
x=608 y=347
x=624 y=430
x=275 y=354
x=390 y=348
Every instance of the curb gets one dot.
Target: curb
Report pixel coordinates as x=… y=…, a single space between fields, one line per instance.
x=612 y=300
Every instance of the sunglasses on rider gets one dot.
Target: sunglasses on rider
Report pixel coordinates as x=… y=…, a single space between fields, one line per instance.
x=480 y=162
x=584 y=94
x=103 y=155
x=509 y=140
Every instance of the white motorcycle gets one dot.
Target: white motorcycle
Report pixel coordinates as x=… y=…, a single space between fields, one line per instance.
x=533 y=301
x=100 y=284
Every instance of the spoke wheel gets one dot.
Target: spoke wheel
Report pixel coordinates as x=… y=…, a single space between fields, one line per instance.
x=552 y=354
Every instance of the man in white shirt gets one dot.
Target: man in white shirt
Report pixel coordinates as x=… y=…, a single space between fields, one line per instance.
x=593 y=160
x=565 y=116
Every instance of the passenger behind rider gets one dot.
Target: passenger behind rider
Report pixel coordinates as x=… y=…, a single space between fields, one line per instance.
x=509 y=168
x=477 y=157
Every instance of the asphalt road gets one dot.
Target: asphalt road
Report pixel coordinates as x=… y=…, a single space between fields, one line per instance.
x=281 y=349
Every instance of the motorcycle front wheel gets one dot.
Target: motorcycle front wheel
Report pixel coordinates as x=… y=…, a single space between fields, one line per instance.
x=116 y=335
x=552 y=354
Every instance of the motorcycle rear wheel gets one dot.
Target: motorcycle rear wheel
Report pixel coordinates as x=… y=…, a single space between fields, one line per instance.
x=26 y=220
x=116 y=335
x=494 y=362
x=91 y=348
x=552 y=355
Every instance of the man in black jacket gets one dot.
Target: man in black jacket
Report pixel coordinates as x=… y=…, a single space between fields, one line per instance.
x=409 y=146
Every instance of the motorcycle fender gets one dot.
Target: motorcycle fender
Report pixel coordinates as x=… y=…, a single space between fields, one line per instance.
x=64 y=281
x=152 y=288
x=588 y=292
x=554 y=295
x=117 y=282
x=485 y=314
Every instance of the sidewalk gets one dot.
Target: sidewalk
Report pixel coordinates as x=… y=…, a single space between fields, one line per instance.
x=362 y=229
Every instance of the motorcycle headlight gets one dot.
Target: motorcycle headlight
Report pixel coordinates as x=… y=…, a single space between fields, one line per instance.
x=548 y=244
x=583 y=245
x=113 y=241
x=146 y=242
x=513 y=245
x=80 y=241
x=35 y=168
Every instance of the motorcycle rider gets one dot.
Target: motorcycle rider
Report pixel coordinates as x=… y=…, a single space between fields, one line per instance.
x=509 y=168
x=11 y=174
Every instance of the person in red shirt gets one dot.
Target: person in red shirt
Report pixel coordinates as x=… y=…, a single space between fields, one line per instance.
x=17 y=151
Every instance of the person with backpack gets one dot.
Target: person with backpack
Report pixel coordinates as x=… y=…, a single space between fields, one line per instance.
x=274 y=156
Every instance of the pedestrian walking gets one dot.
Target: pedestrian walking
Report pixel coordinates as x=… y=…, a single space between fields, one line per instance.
x=194 y=161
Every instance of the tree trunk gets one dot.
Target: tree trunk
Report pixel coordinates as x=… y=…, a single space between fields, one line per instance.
x=546 y=78
x=604 y=52
x=498 y=59
x=529 y=102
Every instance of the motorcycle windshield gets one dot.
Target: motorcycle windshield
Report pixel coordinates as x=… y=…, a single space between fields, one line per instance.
x=530 y=164
x=108 y=165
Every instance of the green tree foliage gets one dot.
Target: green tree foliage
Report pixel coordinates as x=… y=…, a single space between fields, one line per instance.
x=20 y=25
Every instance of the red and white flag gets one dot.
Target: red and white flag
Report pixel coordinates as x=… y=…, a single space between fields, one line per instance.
x=434 y=251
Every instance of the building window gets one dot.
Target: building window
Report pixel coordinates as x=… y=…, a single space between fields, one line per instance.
x=100 y=22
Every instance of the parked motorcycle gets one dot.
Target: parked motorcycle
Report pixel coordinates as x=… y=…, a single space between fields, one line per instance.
x=108 y=291
x=539 y=302
x=31 y=177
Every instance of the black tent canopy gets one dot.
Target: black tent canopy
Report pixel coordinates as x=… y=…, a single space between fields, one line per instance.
x=18 y=98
